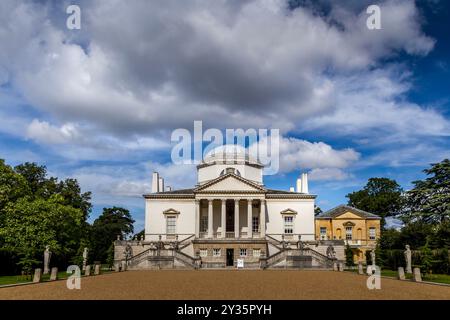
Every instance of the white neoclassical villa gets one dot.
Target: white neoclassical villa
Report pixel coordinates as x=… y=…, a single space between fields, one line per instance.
x=229 y=218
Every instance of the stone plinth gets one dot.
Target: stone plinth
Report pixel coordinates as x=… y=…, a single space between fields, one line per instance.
x=360 y=268
x=124 y=266
x=97 y=269
x=37 y=275
x=54 y=274
x=335 y=266
x=401 y=273
x=87 y=271
x=417 y=277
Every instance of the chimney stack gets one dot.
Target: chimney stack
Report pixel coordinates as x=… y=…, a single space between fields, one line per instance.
x=160 y=184
x=155 y=182
x=299 y=185
x=305 y=183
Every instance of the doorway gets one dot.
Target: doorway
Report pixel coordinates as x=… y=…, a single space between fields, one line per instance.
x=230 y=257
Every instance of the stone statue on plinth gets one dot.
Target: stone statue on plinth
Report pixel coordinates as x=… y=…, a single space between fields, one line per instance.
x=331 y=253
x=128 y=253
x=408 y=259
x=372 y=257
x=47 y=257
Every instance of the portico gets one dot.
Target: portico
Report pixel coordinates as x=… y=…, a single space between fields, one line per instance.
x=230 y=217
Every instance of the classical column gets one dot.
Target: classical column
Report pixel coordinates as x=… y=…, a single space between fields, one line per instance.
x=236 y=218
x=210 y=218
x=197 y=218
x=223 y=216
x=249 y=219
x=263 y=219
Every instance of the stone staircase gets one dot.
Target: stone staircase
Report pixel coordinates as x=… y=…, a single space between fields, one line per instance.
x=164 y=255
x=294 y=255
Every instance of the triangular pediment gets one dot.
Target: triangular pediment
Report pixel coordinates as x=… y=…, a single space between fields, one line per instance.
x=349 y=215
x=230 y=182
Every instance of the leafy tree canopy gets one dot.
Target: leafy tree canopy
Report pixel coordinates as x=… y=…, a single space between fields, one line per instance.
x=381 y=196
x=429 y=200
x=31 y=224
x=105 y=229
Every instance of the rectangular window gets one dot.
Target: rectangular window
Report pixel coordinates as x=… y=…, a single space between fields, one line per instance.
x=204 y=223
x=255 y=224
x=323 y=233
x=171 y=224
x=348 y=233
x=372 y=233
x=257 y=253
x=243 y=252
x=203 y=252
x=289 y=224
x=216 y=252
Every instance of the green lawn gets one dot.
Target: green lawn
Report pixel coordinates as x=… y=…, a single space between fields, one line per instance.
x=440 y=278
x=13 y=279
x=4 y=280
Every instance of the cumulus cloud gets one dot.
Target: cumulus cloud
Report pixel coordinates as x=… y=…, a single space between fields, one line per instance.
x=326 y=162
x=46 y=133
x=136 y=71
x=132 y=65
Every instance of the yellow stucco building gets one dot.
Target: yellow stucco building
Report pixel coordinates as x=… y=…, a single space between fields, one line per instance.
x=359 y=229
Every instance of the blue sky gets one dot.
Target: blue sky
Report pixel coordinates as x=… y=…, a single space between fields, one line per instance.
x=100 y=103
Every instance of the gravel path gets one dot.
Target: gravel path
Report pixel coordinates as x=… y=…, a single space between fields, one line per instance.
x=224 y=284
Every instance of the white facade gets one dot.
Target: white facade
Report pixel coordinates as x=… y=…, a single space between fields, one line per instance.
x=229 y=201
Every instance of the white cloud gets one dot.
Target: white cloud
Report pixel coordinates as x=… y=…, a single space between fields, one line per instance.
x=148 y=67
x=295 y=154
x=301 y=154
x=328 y=174
x=46 y=133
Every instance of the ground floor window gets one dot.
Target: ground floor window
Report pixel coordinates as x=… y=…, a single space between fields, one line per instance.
x=288 y=224
x=203 y=252
x=243 y=252
x=171 y=224
x=216 y=252
x=323 y=233
x=257 y=253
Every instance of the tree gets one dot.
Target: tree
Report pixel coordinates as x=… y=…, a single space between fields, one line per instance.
x=426 y=257
x=43 y=187
x=390 y=239
x=415 y=234
x=12 y=186
x=34 y=174
x=105 y=229
x=31 y=224
x=317 y=210
x=381 y=196
x=429 y=200
x=441 y=237
x=349 y=256
x=71 y=192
